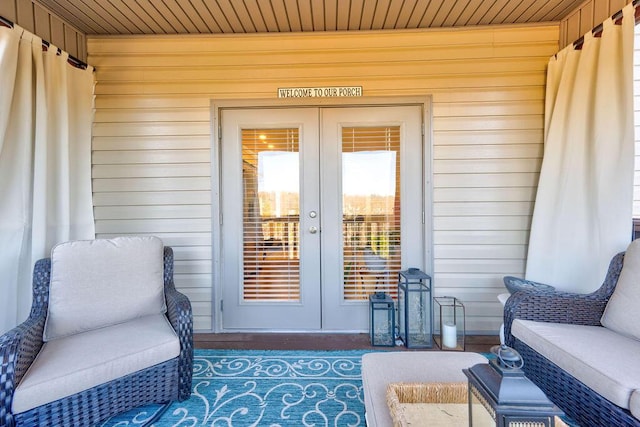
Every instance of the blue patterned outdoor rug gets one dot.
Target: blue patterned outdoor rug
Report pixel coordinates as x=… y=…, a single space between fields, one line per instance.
x=242 y=388
x=264 y=388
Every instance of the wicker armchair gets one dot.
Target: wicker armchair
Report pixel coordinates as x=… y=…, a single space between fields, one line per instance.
x=580 y=402
x=161 y=383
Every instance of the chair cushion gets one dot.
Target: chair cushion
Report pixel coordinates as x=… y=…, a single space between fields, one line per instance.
x=99 y=283
x=603 y=360
x=622 y=313
x=634 y=404
x=69 y=365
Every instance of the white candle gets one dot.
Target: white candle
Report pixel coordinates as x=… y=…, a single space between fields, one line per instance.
x=449 y=335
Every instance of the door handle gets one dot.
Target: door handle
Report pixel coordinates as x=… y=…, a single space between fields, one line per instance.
x=313 y=229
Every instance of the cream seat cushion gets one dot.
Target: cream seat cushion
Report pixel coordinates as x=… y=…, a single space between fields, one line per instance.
x=621 y=313
x=103 y=282
x=634 y=404
x=602 y=359
x=66 y=366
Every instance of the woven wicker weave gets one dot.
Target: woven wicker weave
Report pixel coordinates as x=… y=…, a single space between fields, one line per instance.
x=407 y=401
x=161 y=383
x=578 y=401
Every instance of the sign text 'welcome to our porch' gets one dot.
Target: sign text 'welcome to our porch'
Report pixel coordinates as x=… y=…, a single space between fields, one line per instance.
x=320 y=92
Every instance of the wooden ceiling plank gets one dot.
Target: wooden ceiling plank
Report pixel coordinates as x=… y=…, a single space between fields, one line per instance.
x=255 y=15
x=156 y=16
x=174 y=10
x=281 y=15
x=306 y=18
x=458 y=8
x=269 y=16
x=293 y=15
x=418 y=13
x=407 y=10
x=380 y=15
x=554 y=10
x=317 y=14
x=465 y=15
x=513 y=8
x=231 y=16
x=355 y=14
x=194 y=15
x=137 y=14
x=332 y=12
x=110 y=17
x=343 y=15
x=83 y=16
x=533 y=9
x=490 y=15
x=430 y=13
x=391 y=20
x=480 y=12
x=213 y=17
x=368 y=11
x=117 y=17
x=172 y=13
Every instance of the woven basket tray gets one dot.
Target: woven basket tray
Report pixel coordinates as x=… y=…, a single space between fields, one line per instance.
x=433 y=404
x=442 y=404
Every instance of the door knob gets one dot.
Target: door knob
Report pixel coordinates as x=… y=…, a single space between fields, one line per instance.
x=313 y=229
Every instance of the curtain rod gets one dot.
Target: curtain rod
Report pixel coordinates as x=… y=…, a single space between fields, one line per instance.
x=72 y=60
x=617 y=19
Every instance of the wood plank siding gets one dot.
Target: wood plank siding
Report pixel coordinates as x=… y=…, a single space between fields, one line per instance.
x=152 y=136
x=589 y=15
x=38 y=20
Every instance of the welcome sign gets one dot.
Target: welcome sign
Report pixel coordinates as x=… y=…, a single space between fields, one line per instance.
x=320 y=92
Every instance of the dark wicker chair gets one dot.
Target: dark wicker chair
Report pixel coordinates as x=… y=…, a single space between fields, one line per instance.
x=161 y=383
x=578 y=401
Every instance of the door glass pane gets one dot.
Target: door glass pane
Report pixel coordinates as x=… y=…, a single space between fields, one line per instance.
x=271 y=191
x=370 y=210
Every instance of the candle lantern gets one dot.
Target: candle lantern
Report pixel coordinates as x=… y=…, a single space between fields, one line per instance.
x=451 y=335
x=414 y=308
x=501 y=395
x=382 y=320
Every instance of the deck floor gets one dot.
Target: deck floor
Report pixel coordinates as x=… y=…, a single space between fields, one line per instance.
x=315 y=341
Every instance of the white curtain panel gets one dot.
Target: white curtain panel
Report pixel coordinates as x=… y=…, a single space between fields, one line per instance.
x=583 y=209
x=46 y=112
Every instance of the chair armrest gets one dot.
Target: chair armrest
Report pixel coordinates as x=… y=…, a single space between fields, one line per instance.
x=179 y=312
x=18 y=349
x=515 y=284
x=562 y=307
x=181 y=319
x=554 y=307
x=180 y=316
x=20 y=346
x=178 y=305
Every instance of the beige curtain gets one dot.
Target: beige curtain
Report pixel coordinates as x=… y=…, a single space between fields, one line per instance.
x=46 y=110
x=583 y=208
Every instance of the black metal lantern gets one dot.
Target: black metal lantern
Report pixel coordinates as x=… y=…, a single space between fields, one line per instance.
x=383 y=320
x=414 y=308
x=501 y=395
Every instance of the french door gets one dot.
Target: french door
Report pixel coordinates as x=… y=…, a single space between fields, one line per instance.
x=320 y=208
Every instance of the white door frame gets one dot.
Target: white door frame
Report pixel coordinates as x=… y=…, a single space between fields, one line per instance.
x=216 y=179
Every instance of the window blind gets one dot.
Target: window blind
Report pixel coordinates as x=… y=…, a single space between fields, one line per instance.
x=370 y=210
x=271 y=214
